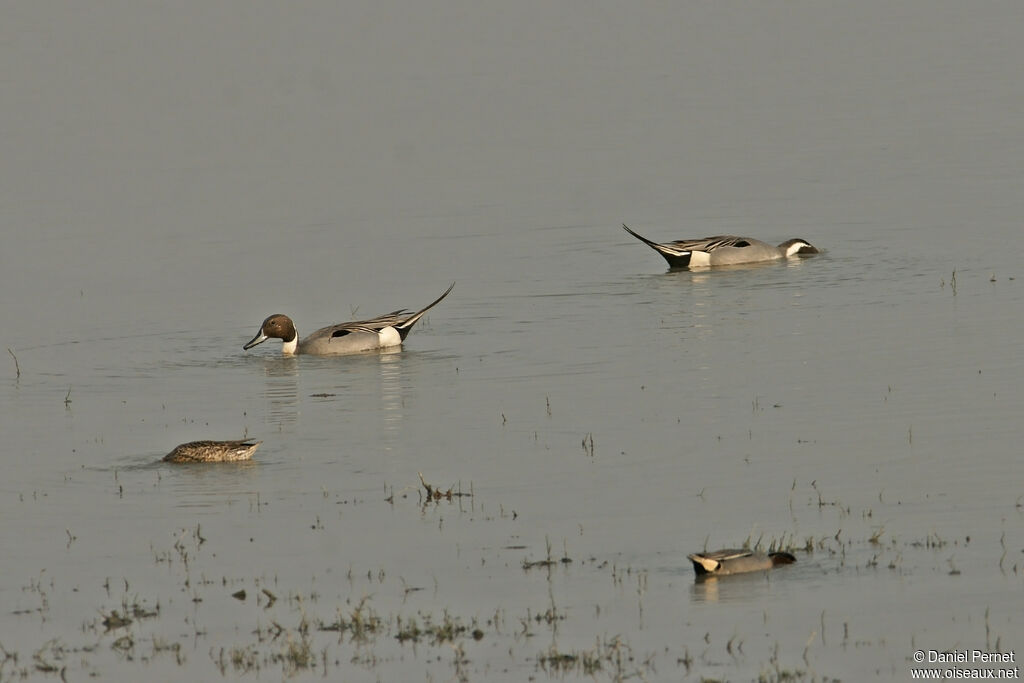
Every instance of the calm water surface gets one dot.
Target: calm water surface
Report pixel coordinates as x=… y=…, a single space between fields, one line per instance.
x=170 y=176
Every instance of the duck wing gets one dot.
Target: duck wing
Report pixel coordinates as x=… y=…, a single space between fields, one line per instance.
x=680 y=249
x=402 y=320
x=709 y=244
x=727 y=554
x=373 y=325
x=711 y=562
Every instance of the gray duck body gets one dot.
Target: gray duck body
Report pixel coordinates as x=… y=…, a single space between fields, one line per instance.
x=725 y=250
x=736 y=561
x=384 y=331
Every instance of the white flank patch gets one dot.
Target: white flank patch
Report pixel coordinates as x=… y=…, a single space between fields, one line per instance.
x=389 y=337
x=700 y=258
x=795 y=248
x=708 y=564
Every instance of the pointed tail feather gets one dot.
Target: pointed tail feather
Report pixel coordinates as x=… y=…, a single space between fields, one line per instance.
x=403 y=329
x=677 y=258
x=652 y=245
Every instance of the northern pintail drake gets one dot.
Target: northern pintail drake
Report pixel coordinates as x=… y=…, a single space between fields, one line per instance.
x=383 y=332
x=213 y=451
x=736 y=561
x=724 y=250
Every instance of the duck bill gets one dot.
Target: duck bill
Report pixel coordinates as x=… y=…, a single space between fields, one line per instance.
x=258 y=339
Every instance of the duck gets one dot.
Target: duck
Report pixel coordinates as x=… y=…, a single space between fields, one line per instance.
x=213 y=451
x=736 y=561
x=725 y=250
x=383 y=332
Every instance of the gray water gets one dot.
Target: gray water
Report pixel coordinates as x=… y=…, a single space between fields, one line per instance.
x=170 y=175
